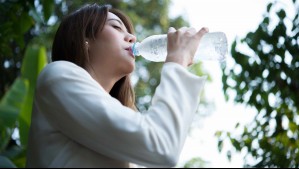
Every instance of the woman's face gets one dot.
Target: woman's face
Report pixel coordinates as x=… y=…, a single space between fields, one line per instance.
x=110 y=52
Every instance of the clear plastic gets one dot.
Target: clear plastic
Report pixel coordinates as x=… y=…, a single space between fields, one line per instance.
x=212 y=46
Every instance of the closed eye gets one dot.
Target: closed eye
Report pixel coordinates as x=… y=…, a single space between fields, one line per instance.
x=117 y=27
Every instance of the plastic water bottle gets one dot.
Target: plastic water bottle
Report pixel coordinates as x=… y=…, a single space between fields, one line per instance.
x=212 y=46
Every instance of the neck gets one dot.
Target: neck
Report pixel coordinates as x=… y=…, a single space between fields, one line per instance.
x=107 y=84
x=106 y=81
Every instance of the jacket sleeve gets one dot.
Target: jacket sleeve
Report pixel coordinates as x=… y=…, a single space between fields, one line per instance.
x=79 y=108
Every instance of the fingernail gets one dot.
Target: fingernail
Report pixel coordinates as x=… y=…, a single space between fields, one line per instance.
x=171 y=29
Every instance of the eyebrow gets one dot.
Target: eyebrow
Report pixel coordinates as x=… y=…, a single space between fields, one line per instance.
x=116 y=20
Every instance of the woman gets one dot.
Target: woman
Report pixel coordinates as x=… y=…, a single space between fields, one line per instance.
x=84 y=113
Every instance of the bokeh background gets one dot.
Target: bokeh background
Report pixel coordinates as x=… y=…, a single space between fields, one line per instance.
x=249 y=108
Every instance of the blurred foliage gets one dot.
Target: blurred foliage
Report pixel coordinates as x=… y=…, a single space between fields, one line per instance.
x=16 y=107
x=265 y=77
x=27 y=30
x=195 y=163
x=21 y=23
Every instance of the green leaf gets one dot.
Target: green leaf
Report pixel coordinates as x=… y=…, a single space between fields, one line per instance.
x=12 y=103
x=269 y=7
x=6 y=163
x=266 y=21
x=10 y=108
x=25 y=23
x=281 y=14
x=34 y=61
x=229 y=155
x=17 y=154
x=220 y=145
x=293 y=127
x=195 y=163
x=48 y=8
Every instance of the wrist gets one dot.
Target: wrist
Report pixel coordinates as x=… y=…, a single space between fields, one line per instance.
x=179 y=60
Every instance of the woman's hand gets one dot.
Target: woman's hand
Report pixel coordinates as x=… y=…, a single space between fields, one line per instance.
x=182 y=45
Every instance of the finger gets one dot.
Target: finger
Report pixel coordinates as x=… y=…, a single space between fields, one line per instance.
x=191 y=30
x=183 y=29
x=202 y=31
x=171 y=30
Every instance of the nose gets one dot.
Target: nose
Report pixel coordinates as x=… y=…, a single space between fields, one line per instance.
x=130 y=38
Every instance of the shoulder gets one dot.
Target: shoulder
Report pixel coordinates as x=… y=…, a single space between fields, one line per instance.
x=60 y=67
x=61 y=70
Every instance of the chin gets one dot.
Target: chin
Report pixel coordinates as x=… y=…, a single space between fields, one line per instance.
x=130 y=68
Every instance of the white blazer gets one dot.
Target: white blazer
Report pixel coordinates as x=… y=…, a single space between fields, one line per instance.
x=76 y=123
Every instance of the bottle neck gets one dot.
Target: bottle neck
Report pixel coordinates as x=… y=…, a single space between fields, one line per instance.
x=135 y=49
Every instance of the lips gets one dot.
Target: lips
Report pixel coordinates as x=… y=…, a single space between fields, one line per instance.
x=129 y=49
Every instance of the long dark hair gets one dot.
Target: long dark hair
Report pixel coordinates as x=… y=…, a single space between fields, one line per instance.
x=69 y=43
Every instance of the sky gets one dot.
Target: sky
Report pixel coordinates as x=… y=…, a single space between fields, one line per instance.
x=235 y=18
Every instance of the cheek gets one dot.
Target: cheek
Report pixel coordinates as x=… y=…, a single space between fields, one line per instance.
x=108 y=36
x=102 y=51
x=107 y=44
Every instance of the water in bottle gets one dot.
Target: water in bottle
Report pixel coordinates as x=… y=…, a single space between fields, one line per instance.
x=212 y=46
